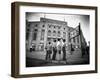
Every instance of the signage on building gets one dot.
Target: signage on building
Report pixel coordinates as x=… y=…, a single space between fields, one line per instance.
x=74 y=32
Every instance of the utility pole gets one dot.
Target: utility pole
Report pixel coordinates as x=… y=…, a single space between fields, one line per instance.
x=80 y=34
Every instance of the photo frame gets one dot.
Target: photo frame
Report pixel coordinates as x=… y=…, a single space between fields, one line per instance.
x=37 y=25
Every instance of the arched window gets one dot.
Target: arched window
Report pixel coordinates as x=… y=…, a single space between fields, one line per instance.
x=43 y=25
x=59 y=33
x=64 y=34
x=49 y=26
x=54 y=26
x=59 y=27
x=54 y=33
x=49 y=33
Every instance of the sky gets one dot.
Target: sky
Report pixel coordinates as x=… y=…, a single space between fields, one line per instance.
x=72 y=20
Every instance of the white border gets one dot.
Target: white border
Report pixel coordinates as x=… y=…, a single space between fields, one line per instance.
x=53 y=69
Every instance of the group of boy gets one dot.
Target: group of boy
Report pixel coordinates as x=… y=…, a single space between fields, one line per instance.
x=57 y=47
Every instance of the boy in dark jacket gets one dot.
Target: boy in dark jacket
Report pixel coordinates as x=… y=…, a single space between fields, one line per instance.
x=54 y=50
x=64 y=49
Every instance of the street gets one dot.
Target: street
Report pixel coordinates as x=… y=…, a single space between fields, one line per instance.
x=35 y=59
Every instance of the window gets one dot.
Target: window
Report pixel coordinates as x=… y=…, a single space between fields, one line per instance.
x=54 y=33
x=35 y=34
x=42 y=34
x=49 y=26
x=77 y=39
x=74 y=39
x=35 y=30
x=69 y=37
x=64 y=34
x=27 y=33
x=42 y=47
x=59 y=27
x=58 y=33
x=54 y=26
x=36 y=25
x=28 y=29
x=71 y=34
x=49 y=33
x=34 y=46
x=43 y=25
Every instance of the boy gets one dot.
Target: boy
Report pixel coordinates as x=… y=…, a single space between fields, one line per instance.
x=54 y=50
x=59 y=49
x=48 y=51
x=64 y=49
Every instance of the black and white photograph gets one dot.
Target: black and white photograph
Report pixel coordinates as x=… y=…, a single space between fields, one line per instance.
x=52 y=39
x=57 y=39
